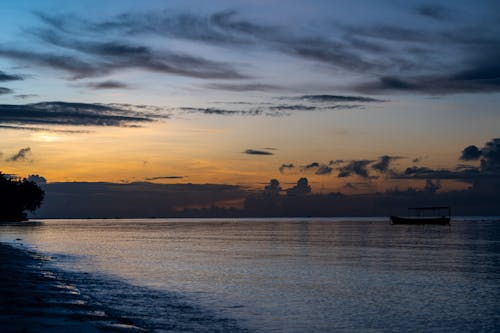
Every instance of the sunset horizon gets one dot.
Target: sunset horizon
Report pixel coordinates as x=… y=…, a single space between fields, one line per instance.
x=240 y=166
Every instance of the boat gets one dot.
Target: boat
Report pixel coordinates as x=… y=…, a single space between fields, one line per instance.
x=425 y=215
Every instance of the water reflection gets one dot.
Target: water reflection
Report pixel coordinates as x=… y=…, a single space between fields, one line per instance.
x=297 y=275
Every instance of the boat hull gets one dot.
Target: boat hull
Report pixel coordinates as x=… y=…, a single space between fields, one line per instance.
x=420 y=220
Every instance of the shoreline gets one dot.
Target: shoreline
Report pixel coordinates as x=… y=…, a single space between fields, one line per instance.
x=34 y=298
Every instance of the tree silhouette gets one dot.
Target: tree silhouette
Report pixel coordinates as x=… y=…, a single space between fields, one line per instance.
x=18 y=196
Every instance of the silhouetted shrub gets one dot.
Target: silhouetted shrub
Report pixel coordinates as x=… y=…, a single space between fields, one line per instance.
x=18 y=196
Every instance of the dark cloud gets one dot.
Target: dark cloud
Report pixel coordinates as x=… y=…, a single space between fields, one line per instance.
x=356 y=167
x=243 y=87
x=401 y=58
x=293 y=108
x=273 y=187
x=165 y=177
x=312 y=165
x=335 y=162
x=416 y=172
x=63 y=113
x=223 y=28
x=482 y=75
x=301 y=188
x=9 y=77
x=78 y=67
x=382 y=165
x=104 y=57
x=222 y=112
x=323 y=170
x=285 y=167
x=25 y=96
x=339 y=98
x=270 y=148
x=21 y=155
x=470 y=153
x=4 y=91
x=107 y=85
x=257 y=152
x=267 y=110
x=433 y=11
x=387 y=32
x=319 y=169
x=41 y=129
x=490 y=163
x=431 y=85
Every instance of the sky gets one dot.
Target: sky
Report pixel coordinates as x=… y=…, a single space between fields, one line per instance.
x=357 y=97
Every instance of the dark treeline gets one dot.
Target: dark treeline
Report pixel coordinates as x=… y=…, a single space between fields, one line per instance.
x=145 y=200
x=17 y=196
x=299 y=202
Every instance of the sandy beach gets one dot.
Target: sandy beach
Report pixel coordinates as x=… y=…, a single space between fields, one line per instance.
x=33 y=298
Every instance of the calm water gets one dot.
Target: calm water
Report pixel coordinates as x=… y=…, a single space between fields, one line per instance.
x=282 y=275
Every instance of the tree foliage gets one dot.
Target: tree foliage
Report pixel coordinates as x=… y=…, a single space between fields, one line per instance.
x=18 y=196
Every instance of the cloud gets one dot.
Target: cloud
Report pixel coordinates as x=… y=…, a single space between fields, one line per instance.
x=223 y=28
x=165 y=177
x=357 y=167
x=490 y=163
x=301 y=188
x=489 y=168
x=238 y=87
x=41 y=129
x=20 y=156
x=64 y=113
x=398 y=58
x=257 y=152
x=480 y=79
x=285 y=167
x=4 y=91
x=9 y=77
x=470 y=153
x=25 y=96
x=415 y=172
x=78 y=67
x=319 y=169
x=312 y=165
x=433 y=11
x=339 y=98
x=105 y=57
x=107 y=85
x=382 y=165
x=267 y=110
x=222 y=112
x=226 y=29
x=335 y=162
x=296 y=107
x=273 y=187
x=323 y=170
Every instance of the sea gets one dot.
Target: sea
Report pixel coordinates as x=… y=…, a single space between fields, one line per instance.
x=280 y=275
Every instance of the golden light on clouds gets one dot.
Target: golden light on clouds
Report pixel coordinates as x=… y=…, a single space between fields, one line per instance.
x=46 y=137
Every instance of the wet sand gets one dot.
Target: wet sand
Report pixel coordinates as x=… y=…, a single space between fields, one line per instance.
x=33 y=298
